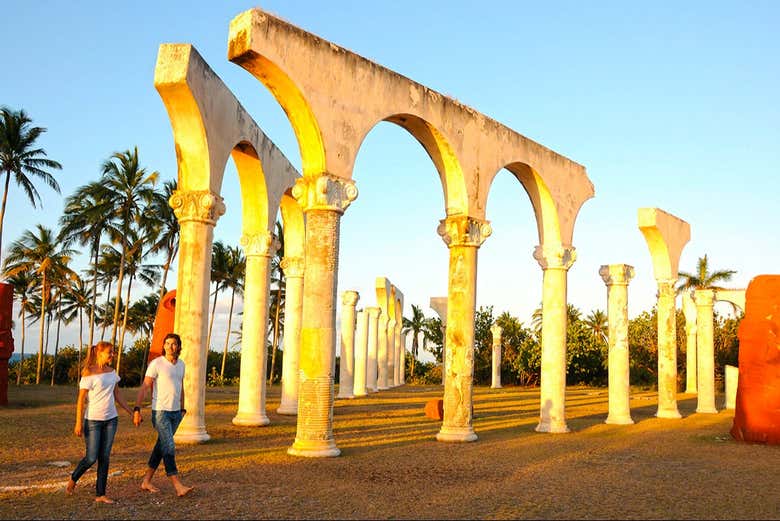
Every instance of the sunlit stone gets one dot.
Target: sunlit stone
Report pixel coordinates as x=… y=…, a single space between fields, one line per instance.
x=617 y=277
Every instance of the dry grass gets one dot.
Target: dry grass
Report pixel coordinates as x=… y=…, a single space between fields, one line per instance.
x=391 y=466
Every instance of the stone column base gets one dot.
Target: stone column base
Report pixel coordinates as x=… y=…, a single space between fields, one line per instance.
x=288 y=409
x=707 y=410
x=668 y=413
x=251 y=419
x=552 y=427
x=456 y=434
x=359 y=394
x=190 y=438
x=619 y=420
x=314 y=449
x=382 y=388
x=496 y=386
x=345 y=395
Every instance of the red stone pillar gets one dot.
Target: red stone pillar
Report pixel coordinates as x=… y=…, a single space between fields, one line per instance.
x=6 y=339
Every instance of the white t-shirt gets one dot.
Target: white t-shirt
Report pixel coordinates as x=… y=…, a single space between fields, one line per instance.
x=168 y=379
x=100 y=405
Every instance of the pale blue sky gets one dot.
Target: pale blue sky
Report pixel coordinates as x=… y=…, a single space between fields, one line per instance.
x=666 y=104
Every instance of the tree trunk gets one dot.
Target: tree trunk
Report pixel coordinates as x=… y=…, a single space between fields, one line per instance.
x=124 y=325
x=94 y=297
x=40 y=336
x=166 y=267
x=414 y=349
x=227 y=336
x=108 y=299
x=115 y=325
x=2 y=211
x=21 y=360
x=81 y=341
x=213 y=312
x=275 y=342
x=57 y=341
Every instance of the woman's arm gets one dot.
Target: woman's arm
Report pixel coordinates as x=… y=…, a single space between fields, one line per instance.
x=78 y=429
x=121 y=401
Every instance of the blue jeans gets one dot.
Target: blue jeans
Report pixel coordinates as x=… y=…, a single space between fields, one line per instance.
x=166 y=423
x=99 y=437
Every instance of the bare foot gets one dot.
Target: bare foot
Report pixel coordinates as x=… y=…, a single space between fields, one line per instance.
x=149 y=488
x=183 y=491
x=104 y=499
x=70 y=487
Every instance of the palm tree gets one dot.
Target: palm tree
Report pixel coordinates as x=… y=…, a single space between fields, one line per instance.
x=129 y=188
x=85 y=220
x=236 y=267
x=703 y=279
x=596 y=321
x=23 y=283
x=537 y=318
x=75 y=300
x=108 y=267
x=168 y=229
x=43 y=255
x=142 y=315
x=18 y=156
x=219 y=272
x=415 y=326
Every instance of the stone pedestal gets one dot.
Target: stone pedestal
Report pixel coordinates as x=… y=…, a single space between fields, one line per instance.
x=667 y=351
x=258 y=249
x=372 y=348
x=705 y=361
x=347 y=365
x=293 y=268
x=463 y=235
x=617 y=277
x=555 y=262
x=731 y=381
x=197 y=212
x=323 y=199
x=689 y=310
x=496 y=330
x=361 y=354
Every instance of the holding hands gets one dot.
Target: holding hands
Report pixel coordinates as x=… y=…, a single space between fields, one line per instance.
x=137 y=420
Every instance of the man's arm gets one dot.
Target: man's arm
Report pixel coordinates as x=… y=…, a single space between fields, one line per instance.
x=146 y=385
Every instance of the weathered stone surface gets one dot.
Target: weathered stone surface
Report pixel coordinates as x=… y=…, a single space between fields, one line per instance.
x=757 y=411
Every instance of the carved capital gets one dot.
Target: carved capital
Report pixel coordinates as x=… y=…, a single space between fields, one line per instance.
x=462 y=230
x=293 y=267
x=616 y=274
x=324 y=192
x=555 y=257
x=704 y=297
x=263 y=244
x=349 y=298
x=197 y=205
x=496 y=331
x=373 y=312
x=666 y=289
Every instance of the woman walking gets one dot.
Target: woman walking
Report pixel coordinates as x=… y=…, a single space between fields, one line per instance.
x=165 y=377
x=98 y=423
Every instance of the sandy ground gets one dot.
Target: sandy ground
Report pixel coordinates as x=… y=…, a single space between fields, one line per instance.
x=392 y=467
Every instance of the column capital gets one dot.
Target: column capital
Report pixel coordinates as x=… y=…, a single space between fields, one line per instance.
x=496 y=331
x=324 y=192
x=350 y=298
x=555 y=257
x=704 y=297
x=201 y=206
x=616 y=274
x=373 y=312
x=261 y=244
x=462 y=230
x=293 y=267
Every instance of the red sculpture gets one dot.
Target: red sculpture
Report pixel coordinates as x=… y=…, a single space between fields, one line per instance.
x=163 y=324
x=757 y=410
x=6 y=338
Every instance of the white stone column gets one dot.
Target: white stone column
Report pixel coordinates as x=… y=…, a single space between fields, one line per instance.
x=667 y=351
x=258 y=248
x=197 y=212
x=373 y=346
x=403 y=358
x=496 y=331
x=361 y=354
x=617 y=277
x=731 y=382
x=705 y=348
x=293 y=308
x=381 y=356
x=463 y=235
x=391 y=353
x=555 y=262
x=323 y=199
x=347 y=358
x=689 y=310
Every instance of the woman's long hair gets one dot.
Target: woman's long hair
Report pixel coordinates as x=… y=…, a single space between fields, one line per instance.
x=91 y=358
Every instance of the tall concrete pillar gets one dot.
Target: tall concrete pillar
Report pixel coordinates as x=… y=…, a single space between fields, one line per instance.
x=463 y=235
x=391 y=353
x=347 y=365
x=293 y=308
x=496 y=331
x=381 y=352
x=617 y=277
x=555 y=262
x=361 y=354
x=666 y=236
x=403 y=357
x=689 y=310
x=705 y=348
x=373 y=348
x=323 y=199
x=197 y=212
x=258 y=249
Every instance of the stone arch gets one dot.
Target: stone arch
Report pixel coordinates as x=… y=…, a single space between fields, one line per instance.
x=209 y=126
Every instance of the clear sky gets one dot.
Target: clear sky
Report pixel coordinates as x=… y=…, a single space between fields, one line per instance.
x=667 y=104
